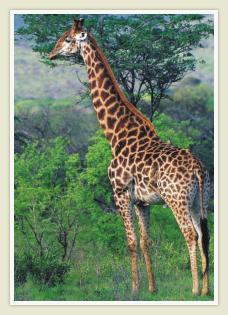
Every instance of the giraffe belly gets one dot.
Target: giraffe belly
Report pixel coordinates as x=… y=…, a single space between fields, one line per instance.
x=147 y=196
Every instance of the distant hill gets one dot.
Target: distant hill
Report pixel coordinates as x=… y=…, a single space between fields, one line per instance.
x=205 y=71
x=33 y=79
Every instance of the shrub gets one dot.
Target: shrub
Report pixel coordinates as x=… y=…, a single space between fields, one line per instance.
x=46 y=211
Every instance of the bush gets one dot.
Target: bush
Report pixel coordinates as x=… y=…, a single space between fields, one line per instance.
x=46 y=270
x=20 y=269
x=171 y=130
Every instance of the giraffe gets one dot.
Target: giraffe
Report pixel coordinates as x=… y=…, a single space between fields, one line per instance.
x=144 y=169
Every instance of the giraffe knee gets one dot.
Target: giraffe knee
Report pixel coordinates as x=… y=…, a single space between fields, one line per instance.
x=132 y=244
x=191 y=238
x=144 y=243
x=190 y=235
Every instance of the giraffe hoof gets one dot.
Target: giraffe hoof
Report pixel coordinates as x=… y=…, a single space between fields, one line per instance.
x=205 y=291
x=152 y=290
x=195 y=292
x=135 y=289
x=152 y=287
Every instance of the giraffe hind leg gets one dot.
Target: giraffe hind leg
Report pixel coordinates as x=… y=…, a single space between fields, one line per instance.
x=191 y=237
x=201 y=227
x=189 y=232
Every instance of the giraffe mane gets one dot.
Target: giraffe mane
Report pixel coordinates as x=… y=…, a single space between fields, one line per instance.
x=129 y=105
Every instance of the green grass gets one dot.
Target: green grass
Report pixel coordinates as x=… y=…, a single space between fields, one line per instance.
x=100 y=275
x=112 y=284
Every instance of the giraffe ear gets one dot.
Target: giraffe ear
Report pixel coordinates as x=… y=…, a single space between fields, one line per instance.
x=81 y=22
x=78 y=24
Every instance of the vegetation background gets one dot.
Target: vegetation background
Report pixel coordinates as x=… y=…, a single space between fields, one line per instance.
x=69 y=239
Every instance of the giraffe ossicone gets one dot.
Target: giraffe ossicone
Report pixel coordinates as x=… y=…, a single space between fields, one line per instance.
x=144 y=169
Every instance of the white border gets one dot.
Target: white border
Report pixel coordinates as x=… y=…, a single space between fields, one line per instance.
x=216 y=165
x=11 y=157
x=171 y=303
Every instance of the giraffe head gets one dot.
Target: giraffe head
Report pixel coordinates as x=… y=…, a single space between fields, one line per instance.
x=71 y=41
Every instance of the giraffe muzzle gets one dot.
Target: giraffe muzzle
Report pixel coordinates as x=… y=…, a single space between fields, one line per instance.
x=52 y=55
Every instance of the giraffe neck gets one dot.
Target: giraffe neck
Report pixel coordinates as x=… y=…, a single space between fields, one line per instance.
x=115 y=114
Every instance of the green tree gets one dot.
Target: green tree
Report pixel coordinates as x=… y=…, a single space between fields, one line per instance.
x=59 y=204
x=191 y=109
x=41 y=119
x=147 y=52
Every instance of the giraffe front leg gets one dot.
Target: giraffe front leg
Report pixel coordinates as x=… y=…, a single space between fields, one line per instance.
x=123 y=203
x=143 y=219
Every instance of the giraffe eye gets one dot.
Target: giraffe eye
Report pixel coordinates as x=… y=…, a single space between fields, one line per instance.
x=68 y=40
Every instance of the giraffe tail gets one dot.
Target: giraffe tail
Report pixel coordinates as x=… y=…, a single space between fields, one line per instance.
x=203 y=218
